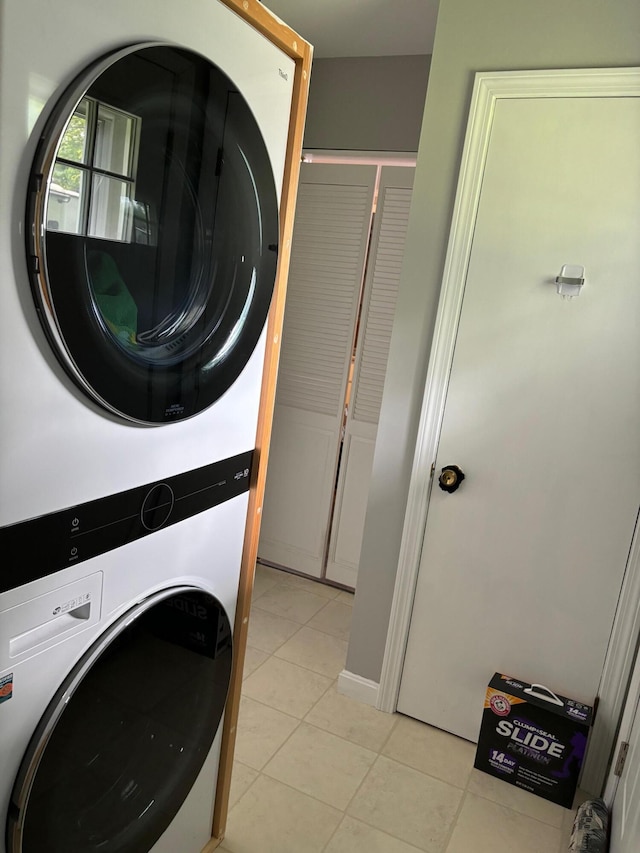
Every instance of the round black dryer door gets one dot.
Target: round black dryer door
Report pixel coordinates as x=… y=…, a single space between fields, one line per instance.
x=124 y=739
x=152 y=233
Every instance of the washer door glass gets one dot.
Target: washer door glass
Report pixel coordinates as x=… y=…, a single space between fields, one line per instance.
x=153 y=249
x=122 y=743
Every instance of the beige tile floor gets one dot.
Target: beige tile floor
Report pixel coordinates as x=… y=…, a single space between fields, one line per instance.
x=316 y=772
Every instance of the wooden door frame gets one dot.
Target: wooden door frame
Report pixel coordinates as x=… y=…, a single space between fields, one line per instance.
x=291 y=44
x=489 y=87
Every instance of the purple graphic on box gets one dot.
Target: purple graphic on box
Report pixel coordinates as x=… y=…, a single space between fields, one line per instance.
x=578 y=744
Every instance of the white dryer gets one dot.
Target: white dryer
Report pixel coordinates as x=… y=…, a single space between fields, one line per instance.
x=142 y=156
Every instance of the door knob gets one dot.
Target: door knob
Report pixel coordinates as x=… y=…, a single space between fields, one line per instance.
x=450 y=478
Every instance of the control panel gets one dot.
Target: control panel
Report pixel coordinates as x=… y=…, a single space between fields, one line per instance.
x=41 y=546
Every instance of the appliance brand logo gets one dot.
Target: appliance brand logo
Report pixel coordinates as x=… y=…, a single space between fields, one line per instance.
x=283 y=74
x=173 y=410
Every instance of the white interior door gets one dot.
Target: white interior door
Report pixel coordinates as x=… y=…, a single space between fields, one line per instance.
x=521 y=568
x=623 y=788
x=330 y=239
x=625 y=816
x=372 y=352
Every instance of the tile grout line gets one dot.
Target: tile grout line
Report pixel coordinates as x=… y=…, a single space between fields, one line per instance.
x=373 y=826
x=289 y=619
x=299 y=624
x=286 y=660
x=332 y=679
x=391 y=731
x=454 y=822
x=357 y=790
x=334 y=833
x=293 y=788
x=339 y=737
x=432 y=775
x=295 y=588
x=282 y=745
x=271 y=708
x=249 y=787
x=462 y=791
x=298 y=721
x=301 y=581
x=308 y=668
x=513 y=809
x=280 y=615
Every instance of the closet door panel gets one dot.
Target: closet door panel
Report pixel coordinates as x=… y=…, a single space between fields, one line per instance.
x=379 y=302
x=329 y=247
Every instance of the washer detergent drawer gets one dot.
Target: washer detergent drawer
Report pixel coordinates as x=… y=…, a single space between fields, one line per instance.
x=33 y=626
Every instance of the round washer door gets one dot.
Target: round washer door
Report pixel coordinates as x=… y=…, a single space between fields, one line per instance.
x=124 y=739
x=152 y=231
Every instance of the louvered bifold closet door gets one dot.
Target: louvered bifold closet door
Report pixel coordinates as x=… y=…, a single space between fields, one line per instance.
x=379 y=303
x=333 y=219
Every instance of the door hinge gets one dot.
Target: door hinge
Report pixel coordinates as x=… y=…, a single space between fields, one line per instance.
x=622 y=757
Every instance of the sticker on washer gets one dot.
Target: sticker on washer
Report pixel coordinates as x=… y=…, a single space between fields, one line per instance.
x=6 y=687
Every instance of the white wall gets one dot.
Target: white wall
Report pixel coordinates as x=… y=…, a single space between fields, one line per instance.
x=493 y=35
x=371 y=103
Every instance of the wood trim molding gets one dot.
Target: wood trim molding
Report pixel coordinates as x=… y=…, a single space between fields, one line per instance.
x=301 y=52
x=488 y=89
x=273 y=28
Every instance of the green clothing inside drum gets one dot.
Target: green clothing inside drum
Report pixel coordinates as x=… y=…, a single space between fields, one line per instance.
x=112 y=296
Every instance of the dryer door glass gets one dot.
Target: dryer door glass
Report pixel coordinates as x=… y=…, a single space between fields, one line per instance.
x=125 y=737
x=153 y=233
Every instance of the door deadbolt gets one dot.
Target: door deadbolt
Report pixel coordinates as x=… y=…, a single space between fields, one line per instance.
x=450 y=478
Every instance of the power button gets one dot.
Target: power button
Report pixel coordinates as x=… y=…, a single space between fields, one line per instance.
x=157 y=506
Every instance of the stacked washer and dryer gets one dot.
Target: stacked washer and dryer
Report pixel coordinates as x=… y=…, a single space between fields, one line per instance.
x=142 y=155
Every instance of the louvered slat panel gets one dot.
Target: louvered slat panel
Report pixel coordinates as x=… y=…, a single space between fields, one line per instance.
x=394 y=210
x=323 y=289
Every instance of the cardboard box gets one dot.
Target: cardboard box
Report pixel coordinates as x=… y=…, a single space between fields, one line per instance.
x=533 y=738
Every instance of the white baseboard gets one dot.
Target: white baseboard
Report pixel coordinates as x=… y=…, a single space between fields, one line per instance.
x=357 y=687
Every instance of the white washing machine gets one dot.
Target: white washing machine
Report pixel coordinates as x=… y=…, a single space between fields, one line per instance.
x=113 y=680
x=142 y=155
